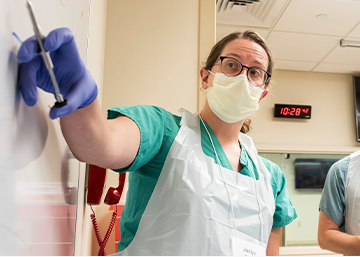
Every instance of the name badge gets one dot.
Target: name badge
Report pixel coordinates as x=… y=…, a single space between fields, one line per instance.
x=242 y=247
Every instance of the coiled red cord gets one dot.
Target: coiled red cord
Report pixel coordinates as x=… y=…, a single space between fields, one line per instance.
x=102 y=243
x=70 y=231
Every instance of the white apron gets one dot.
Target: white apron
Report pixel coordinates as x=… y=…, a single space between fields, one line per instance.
x=352 y=196
x=189 y=212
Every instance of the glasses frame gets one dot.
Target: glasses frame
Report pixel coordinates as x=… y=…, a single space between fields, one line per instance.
x=242 y=67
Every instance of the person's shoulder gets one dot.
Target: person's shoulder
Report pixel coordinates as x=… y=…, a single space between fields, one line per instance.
x=336 y=178
x=277 y=177
x=342 y=162
x=142 y=111
x=271 y=166
x=339 y=169
x=138 y=109
x=332 y=202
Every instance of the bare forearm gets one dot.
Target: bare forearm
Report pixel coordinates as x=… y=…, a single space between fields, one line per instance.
x=82 y=130
x=339 y=242
x=95 y=140
x=274 y=242
x=330 y=238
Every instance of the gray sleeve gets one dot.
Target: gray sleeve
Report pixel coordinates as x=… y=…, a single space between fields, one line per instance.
x=332 y=202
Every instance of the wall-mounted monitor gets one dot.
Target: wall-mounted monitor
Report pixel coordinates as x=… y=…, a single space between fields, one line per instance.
x=311 y=173
x=357 y=106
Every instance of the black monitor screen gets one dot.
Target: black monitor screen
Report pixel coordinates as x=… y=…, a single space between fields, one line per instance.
x=311 y=173
x=357 y=106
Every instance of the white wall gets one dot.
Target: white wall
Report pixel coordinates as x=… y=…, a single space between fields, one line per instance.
x=331 y=128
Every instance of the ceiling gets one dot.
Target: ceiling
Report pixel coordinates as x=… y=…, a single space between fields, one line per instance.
x=304 y=34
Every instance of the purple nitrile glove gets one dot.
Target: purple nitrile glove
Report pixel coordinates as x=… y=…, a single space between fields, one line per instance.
x=75 y=82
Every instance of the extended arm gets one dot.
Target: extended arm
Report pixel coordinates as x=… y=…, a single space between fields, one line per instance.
x=330 y=238
x=91 y=138
x=274 y=242
x=95 y=140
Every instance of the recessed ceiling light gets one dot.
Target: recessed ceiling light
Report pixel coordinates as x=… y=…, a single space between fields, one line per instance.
x=322 y=16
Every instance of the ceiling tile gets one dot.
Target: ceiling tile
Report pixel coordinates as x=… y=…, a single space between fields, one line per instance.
x=223 y=30
x=338 y=68
x=355 y=33
x=301 y=47
x=294 y=65
x=300 y=16
x=344 y=55
x=299 y=40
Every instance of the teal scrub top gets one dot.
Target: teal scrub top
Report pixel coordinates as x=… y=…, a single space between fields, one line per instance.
x=158 y=129
x=332 y=202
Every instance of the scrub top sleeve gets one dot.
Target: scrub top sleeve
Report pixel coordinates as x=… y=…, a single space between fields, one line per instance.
x=284 y=210
x=332 y=202
x=151 y=123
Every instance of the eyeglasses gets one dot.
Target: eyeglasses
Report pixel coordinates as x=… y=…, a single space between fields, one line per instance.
x=232 y=67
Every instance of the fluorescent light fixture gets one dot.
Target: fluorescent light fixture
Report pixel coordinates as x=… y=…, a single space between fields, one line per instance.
x=349 y=43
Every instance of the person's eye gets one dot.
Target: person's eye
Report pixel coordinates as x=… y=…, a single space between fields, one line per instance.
x=256 y=72
x=232 y=65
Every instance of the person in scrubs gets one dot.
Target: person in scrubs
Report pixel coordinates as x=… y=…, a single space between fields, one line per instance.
x=196 y=185
x=339 y=219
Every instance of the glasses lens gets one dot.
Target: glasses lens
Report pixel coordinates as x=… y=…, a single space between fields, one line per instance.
x=257 y=76
x=230 y=67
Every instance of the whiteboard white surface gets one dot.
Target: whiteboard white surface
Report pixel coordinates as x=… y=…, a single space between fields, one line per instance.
x=36 y=217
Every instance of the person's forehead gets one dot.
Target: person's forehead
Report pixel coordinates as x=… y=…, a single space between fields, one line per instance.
x=244 y=49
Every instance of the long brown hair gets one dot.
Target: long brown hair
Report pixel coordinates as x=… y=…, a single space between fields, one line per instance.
x=219 y=47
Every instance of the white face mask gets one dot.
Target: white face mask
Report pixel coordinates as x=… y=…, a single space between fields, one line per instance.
x=233 y=98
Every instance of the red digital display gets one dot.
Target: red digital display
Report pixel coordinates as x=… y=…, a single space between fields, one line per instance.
x=292 y=111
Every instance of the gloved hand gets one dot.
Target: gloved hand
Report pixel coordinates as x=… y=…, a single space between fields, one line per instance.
x=75 y=82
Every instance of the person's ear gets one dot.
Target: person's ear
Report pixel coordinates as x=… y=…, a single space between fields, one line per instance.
x=204 y=74
x=264 y=93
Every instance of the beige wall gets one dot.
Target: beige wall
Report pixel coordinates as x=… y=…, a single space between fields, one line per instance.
x=96 y=45
x=151 y=57
x=331 y=128
x=207 y=40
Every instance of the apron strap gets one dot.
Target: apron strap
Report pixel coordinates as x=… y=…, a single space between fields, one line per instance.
x=247 y=142
x=188 y=119
x=263 y=172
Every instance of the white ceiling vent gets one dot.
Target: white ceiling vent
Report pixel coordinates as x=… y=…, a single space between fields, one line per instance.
x=252 y=13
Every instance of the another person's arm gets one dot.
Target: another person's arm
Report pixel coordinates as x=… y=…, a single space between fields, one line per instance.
x=330 y=238
x=274 y=242
x=332 y=213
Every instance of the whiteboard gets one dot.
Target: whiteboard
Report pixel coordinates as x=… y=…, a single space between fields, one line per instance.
x=37 y=170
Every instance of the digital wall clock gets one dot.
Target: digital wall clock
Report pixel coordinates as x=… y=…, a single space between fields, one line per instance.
x=292 y=111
